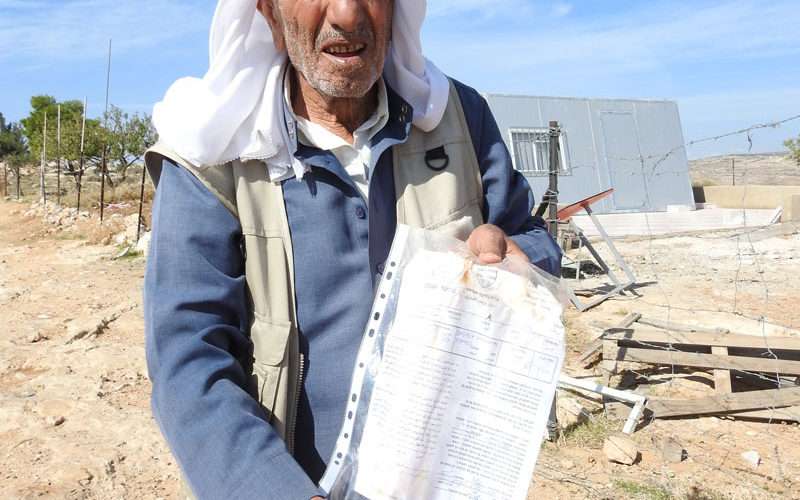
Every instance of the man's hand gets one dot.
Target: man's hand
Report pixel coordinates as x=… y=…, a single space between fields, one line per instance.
x=491 y=245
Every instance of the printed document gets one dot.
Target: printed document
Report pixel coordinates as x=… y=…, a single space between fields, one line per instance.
x=466 y=380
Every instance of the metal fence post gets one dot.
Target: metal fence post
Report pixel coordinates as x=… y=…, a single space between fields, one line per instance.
x=553 y=189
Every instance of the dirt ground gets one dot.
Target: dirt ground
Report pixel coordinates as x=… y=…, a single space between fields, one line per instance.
x=744 y=281
x=75 y=420
x=771 y=169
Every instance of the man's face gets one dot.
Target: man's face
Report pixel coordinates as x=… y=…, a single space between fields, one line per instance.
x=339 y=46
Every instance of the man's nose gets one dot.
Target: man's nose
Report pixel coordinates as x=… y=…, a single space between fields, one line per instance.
x=346 y=15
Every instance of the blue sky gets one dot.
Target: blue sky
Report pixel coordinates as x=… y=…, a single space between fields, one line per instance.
x=729 y=64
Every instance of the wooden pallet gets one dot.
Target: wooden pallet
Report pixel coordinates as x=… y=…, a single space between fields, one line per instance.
x=712 y=349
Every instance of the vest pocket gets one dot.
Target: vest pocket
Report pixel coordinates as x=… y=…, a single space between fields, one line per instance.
x=270 y=340
x=461 y=223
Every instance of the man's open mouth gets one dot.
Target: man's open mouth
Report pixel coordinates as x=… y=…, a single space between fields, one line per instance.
x=348 y=50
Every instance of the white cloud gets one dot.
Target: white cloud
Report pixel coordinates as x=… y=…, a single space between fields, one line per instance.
x=729 y=63
x=80 y=29
x=657 y=35
x=561 y=9
x=482 y=9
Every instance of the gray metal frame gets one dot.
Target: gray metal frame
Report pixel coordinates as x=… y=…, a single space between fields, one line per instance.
x=584 y=241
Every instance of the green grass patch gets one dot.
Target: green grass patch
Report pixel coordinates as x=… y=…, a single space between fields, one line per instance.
x=593 y=432
x=633 y=489
x=127 y=252
x=69 y=236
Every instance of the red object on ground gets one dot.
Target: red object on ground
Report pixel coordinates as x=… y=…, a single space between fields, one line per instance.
x=567 y=212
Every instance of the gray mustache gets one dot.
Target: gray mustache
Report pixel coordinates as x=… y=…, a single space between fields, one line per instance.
x=360 y=33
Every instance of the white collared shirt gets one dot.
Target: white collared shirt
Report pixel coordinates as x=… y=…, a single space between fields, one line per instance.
x=356 y=159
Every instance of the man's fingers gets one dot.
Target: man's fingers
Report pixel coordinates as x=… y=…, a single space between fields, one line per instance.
x=491 y=245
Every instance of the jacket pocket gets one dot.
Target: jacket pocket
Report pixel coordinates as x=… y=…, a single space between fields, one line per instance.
x=270 y=340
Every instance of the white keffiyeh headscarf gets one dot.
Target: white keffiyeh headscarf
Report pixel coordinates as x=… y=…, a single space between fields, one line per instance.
x=235 y=110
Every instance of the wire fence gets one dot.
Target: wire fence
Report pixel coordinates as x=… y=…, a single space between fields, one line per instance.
x=716 y=348
x=735 y=279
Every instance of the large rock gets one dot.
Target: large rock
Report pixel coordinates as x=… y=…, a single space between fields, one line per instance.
x=752 y=458
x=621 y=450
x=570 y=412
x=672 y=450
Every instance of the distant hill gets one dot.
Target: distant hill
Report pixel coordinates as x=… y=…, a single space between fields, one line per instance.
x=771 y=169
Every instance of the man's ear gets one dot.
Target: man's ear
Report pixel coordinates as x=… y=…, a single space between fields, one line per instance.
x=271 y=13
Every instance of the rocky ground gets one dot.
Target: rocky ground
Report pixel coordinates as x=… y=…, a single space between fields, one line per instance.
x=743 y=281
x=74 y=411
x=770 y=169
x=74 y=395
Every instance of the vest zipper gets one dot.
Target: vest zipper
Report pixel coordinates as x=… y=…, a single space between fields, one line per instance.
x=295 y=408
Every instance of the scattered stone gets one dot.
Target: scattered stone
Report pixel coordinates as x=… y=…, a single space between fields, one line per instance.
x=37 y=337
x=43 y=316
x=752 y=458
x=143 y=245
x=751 y=433
x=87 y=479
x=671 y=450
x=567 y=464
x=620 y=450
x=60 y=420
x=125 y=251
x=79 y=331
x=570 y=412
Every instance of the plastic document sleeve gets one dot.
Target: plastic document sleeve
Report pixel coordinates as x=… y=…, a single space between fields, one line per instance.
x=454 y=377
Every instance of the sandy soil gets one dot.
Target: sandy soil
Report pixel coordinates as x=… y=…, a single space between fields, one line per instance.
x=74 y=395
x=74 y=409
x=744 y=281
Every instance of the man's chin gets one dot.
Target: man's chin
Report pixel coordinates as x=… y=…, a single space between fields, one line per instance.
x=345 y=87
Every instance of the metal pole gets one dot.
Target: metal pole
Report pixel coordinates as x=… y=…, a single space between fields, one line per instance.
x=80 y=164
x=553 y=189
x=141 y=202
x=105 y=142
x=43 y=196
x=58 y=159
x=640 y=402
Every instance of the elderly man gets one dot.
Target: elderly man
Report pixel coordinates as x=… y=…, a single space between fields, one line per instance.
x=281 y=176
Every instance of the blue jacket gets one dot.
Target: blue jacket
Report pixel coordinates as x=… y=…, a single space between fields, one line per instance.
x=196 y=309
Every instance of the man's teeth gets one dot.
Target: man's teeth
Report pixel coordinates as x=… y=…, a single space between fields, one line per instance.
x=345 y=49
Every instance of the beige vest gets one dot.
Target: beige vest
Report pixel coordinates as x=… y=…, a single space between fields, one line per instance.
x=449 y=200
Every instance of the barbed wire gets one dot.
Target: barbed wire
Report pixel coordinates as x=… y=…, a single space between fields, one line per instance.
x=659 y=157
x=746 y=286
x=746 y=279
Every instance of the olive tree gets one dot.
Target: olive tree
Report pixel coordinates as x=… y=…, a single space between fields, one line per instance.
x=794 y=149
x=128 y=136
x=13 y=151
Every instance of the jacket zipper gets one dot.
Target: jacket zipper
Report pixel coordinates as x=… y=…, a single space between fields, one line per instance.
x=295 y=408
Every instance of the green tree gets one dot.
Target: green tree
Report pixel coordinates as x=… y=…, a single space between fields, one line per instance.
x=794 y=148
x=13 y=150
x=71 y=127
x=129 y=136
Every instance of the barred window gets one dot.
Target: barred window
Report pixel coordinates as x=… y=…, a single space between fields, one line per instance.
x=531 y=150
